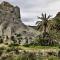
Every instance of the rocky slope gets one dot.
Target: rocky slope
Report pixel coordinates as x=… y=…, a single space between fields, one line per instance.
x=10 y=21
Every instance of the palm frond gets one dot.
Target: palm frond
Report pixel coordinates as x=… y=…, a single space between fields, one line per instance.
x=45 y=16
x=39 y=26
x=48 y=16
x=42 y=15
x=37 y=22
x=40 y=18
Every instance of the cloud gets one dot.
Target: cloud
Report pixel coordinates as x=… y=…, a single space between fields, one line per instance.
x=30 y=9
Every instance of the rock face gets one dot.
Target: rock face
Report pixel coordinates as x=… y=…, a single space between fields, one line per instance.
x=10 y=19
x=11 y=24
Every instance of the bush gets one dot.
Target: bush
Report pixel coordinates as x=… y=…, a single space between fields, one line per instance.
x=13 y=45
x=59 y=54
x=6 y=43
x=9 y=50
x=45 y=42
x=1 y=50
x=53 y=58
x=1 y=40
x=26 y=45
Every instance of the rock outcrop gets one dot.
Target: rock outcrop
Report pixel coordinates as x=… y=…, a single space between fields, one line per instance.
x=10 y=19
x=11 y=24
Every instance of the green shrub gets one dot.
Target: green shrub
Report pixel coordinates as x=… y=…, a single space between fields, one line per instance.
x=14 y=44
x=53 y=58
x=59 y=54
x=8 y=50
x=6 y=43
x=26 y=45
x=1 y=40
x=45 y=42
x=2 y=50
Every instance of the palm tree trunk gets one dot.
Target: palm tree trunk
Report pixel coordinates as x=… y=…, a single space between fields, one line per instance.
x=44 y=29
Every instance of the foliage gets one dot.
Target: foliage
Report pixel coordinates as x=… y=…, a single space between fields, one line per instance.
x=45 y=42
x=13 y=45
x=44 y=22
x=13 y=39
x=53 y=58
x=26 y=45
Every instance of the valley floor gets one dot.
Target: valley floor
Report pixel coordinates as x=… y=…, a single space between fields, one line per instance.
x=38 y=52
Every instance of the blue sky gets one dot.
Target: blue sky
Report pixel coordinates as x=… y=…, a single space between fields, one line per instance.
x=30 y=9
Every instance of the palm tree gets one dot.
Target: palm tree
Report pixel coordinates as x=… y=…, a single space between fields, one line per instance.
x=44 y=22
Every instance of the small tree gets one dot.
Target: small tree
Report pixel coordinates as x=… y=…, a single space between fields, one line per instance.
x=13 y=39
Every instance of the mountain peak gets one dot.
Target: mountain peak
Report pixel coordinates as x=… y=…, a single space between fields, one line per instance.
x=4 y=3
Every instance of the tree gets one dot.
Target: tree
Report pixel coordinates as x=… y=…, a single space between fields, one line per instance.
x=13 y=39
x=57 y=21
x=43 y=23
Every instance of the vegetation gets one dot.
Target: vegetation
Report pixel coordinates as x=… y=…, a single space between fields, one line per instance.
x=44 y=23
x=46 y=43
x=28 y=45
x=20 y=53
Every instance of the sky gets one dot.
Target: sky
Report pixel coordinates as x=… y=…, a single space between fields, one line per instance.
x=30 y=9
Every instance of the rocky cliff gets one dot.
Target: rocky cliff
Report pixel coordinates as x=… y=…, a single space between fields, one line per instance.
x=10 y=21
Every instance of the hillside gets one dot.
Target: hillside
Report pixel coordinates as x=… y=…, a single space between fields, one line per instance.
x=21 y=42
x=12 y=27
x=54 y=27
x=10 y=21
